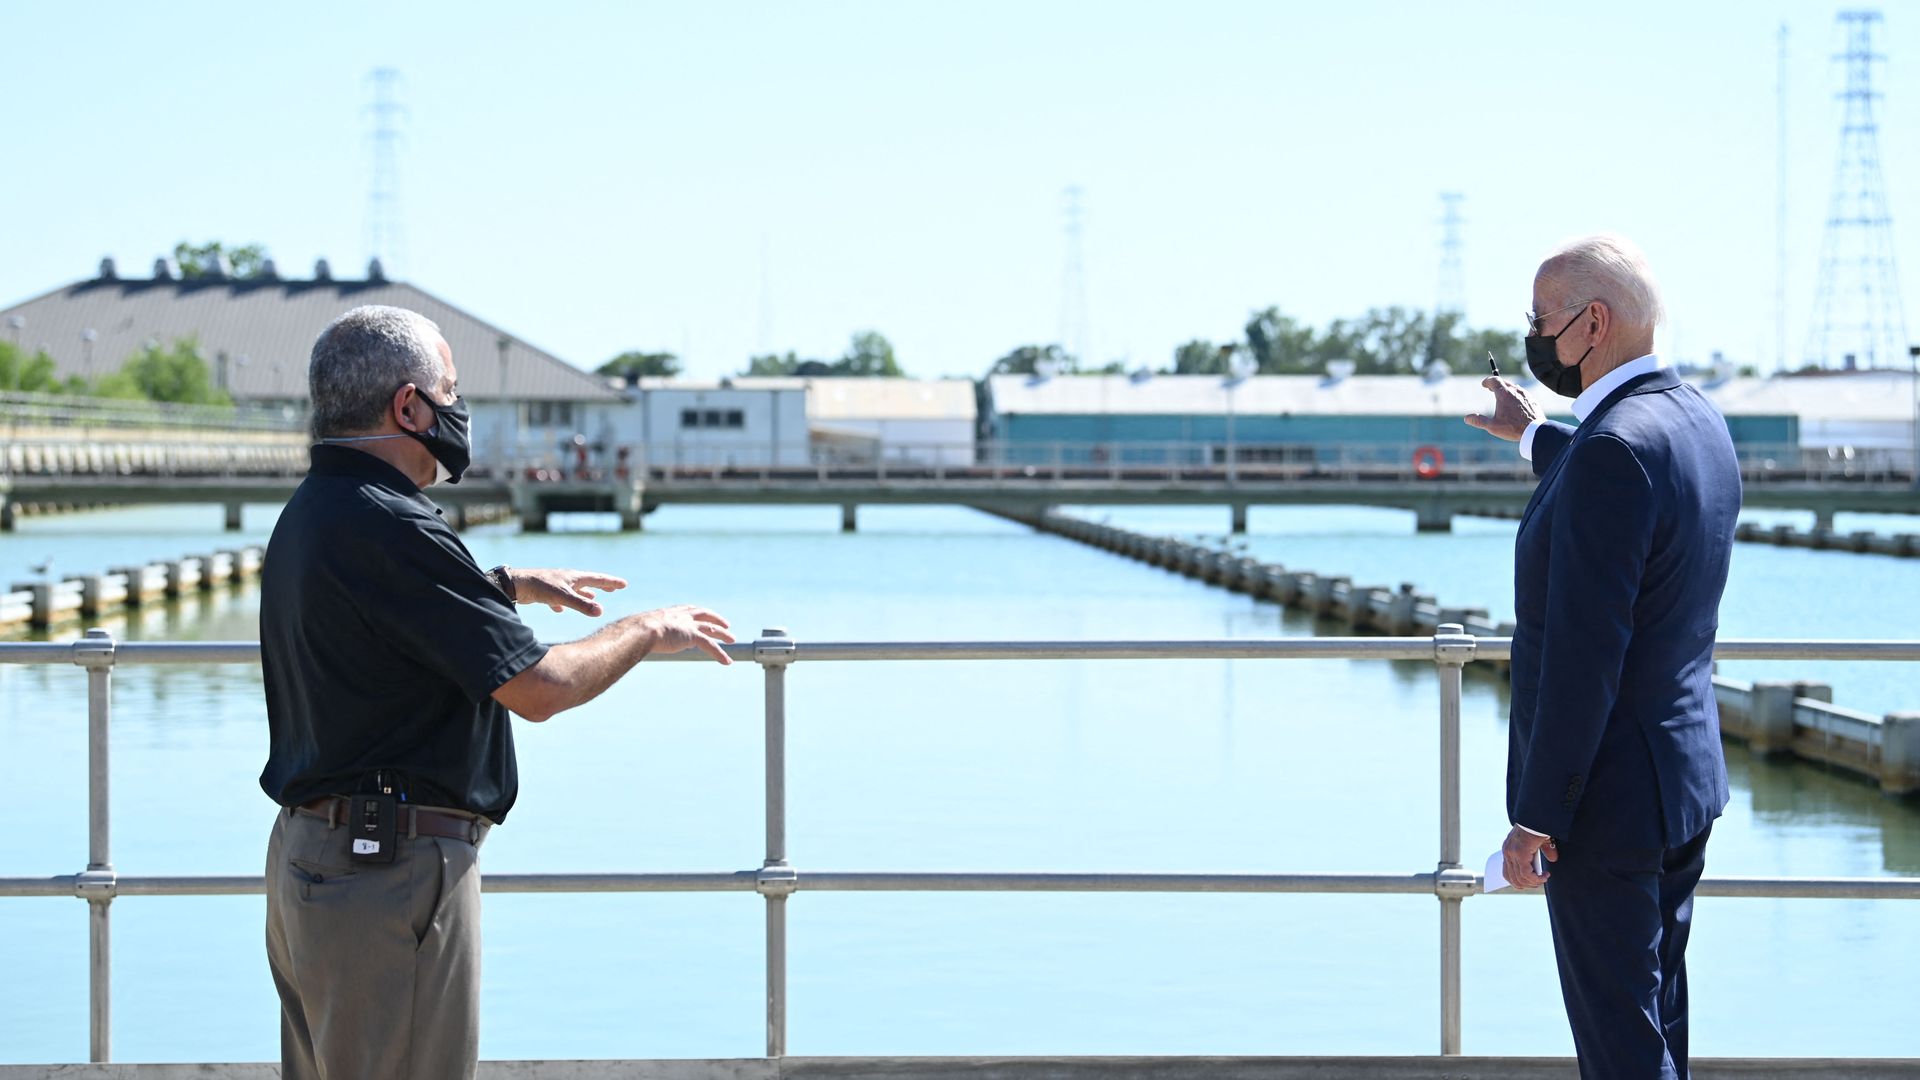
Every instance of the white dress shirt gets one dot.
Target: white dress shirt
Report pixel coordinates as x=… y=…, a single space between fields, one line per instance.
x=1592 y=396
x=1583 y=407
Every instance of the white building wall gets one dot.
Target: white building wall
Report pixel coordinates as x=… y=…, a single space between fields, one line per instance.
x=924 y=442
x=1859 y=434
x=672 y=427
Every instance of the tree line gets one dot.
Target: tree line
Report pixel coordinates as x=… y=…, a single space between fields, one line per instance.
x=175 y=372
x=1384 y=341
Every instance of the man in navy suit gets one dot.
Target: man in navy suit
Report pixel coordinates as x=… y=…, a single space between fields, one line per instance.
x=1614 y=767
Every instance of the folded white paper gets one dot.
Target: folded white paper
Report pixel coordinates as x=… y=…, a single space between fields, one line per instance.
x=1495 y=878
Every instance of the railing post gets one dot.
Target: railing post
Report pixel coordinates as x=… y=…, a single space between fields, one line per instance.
x=95 y=653
x=1452 y=649
x=777 y=880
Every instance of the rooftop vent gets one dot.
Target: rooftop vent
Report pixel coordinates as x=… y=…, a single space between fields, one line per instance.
x=269 y=271
x=164 y=270
x=1435 y=372
x=1140 y=374
x=1338 y=370
x=322 y=271
x=107 y=270
x=220 y=269
x=375 y=271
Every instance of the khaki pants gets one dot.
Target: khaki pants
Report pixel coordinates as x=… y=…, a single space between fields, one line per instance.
x=378 y=965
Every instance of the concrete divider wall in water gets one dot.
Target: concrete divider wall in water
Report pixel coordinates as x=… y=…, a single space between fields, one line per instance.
x=41 y=604
x=1785 y=718
x=1821 y=537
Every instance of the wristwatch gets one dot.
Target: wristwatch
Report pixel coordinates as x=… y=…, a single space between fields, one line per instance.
x=502 y=578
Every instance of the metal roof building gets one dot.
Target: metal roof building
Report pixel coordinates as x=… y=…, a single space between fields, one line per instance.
x=1873 y=409
x=257 y=333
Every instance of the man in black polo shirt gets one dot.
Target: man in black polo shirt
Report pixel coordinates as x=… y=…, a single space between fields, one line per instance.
x=391 y=661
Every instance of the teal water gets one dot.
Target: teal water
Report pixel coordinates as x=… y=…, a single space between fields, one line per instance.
x=1244 y=765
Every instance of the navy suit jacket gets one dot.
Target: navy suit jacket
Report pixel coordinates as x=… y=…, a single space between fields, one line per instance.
x=1619 y=565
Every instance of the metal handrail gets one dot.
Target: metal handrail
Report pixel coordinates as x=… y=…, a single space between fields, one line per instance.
x=1450 y=649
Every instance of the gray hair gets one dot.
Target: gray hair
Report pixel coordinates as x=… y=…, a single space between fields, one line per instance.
x=360 y=359
x=1608 y=267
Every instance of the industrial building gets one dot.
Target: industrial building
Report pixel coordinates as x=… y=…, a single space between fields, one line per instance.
x=1204 y=418
x=751 y=421
x=257 y=333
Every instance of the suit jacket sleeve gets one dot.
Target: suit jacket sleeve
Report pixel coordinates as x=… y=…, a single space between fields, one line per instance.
x=1549 y=439
x=1602 y=530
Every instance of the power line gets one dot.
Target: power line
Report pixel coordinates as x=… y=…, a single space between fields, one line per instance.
x=1857 y=311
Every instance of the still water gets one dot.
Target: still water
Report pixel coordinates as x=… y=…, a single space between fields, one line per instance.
x=1172 y=766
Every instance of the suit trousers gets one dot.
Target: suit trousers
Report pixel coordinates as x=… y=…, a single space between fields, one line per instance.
x=1620 y=923
x=377 y=964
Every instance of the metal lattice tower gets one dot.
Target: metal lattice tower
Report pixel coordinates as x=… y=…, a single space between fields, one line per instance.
x=385 y=113
x=1075 y=336
x=1452 y=295
x=1780 y=213
x=1857 y=310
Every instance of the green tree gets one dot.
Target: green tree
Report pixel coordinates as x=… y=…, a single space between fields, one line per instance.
x=176 y=373
x=774 y=364
x=1476 y=344
x=1199 y=357
x=869 y=355
x=197 y=260
x=633 y=366
x=1026 y=359
x=1390 y=341
x=30 y=374
x=1280 y=344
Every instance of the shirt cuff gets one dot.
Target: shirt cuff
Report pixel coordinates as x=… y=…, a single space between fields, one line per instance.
x=1526 y=446
x=1530 y=832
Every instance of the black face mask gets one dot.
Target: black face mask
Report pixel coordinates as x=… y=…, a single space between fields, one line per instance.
x=1543 y=359
x=449 y=440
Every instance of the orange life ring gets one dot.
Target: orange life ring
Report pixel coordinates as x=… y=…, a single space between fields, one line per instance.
x=1427 y=462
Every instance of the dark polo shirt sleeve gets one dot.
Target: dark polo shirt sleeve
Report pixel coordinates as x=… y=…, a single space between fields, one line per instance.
x=436 y=606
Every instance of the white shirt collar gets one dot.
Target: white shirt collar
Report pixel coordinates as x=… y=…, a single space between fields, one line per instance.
x=1592 y=396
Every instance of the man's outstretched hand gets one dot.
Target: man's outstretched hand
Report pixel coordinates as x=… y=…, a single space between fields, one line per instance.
x=687 y=626
x=1513 y=411
x=564 y=588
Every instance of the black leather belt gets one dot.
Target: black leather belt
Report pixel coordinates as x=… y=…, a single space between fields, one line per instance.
x=414 y=820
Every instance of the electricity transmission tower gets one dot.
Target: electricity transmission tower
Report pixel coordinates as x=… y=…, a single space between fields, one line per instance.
x=1075 y=336
x=385 y=114
x=1857 y=310
x=1452 y=295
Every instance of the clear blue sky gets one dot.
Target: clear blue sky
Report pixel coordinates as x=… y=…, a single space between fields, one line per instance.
x=611 y=176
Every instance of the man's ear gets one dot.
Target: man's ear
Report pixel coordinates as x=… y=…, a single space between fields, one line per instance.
x=1600 y=320
x=405 y=407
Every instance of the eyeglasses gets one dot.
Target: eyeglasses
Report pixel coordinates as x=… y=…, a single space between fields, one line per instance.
x=1533 y=320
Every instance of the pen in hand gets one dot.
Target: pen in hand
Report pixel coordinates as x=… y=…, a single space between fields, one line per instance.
x=1491 y=364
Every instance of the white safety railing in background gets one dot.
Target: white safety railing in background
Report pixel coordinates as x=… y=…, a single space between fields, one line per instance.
x=777 y=879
